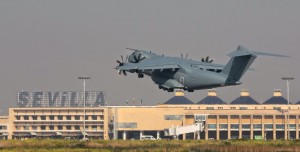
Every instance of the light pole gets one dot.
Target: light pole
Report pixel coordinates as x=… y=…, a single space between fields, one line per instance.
x=288 y=79
x=84 y=78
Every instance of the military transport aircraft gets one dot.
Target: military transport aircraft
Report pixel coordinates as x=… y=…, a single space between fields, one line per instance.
x=171 y=73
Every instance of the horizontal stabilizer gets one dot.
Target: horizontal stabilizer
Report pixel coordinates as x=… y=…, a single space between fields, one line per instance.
x=242 y=51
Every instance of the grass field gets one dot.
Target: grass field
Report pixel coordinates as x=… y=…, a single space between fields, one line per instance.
x=140 y=146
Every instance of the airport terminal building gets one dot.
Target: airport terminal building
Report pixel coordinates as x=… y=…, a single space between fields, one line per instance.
x=61 y=115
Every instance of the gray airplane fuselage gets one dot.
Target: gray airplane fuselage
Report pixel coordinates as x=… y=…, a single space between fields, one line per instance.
x=187 y=77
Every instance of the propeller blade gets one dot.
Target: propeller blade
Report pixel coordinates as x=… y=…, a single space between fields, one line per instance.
x=119 y=62
x=143 y=58
x=135 y=59
x=210 y=61
x=202 y=60
x=124 y=72
x=120 y=72
x=122 y=58
x=139 y=57
x=186 y=56
x=126 y=58
x=181 y=55
x=207 y=59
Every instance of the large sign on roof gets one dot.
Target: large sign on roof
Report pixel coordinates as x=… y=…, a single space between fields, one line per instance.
x=60 y=99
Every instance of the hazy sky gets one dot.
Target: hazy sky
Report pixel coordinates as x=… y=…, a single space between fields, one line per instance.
x=46 y=45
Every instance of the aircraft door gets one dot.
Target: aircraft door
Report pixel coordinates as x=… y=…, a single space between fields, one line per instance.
x=181 y=81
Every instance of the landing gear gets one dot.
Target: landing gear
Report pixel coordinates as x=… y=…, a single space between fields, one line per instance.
x=190 y=90
x=166 y=89
x=140 y=75
x=170 y=90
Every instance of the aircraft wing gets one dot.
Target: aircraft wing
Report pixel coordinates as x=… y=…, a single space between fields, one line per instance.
x=156 y=64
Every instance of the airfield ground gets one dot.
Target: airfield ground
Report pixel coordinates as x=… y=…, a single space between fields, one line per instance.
x=160 y=145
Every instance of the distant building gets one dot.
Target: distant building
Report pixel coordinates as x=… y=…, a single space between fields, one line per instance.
x=212 y=98
x=243 y=119
x=244 y=99
x=276 y=99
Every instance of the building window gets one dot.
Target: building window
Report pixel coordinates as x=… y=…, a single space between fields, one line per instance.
x=211 y=126
x=223 y=126
x=268 y=116
x=210 y=108
x=173 y=117
x=257 y=126
x=292 y=117
x=243 y=108
x=232 y=107
x=234 y=126
x=292 y=126
x=276 y=108
x=77 y=127
x=59 y=127
x=223 y=117
x=51 y=127
x=280 y=126
x=68 y=127
x=43 y=127
x=245 y=116
x=34 y=127
x=200 y=117
x=26 y=117
x=94 y=128
x=268 y=126
x=26 y=127
x=17 y=117
x=279 y=117
x=34 y=117
x=86 y=117
x=257 y=116
x=212 y=116
x=127 y=125
x=77 y=117
x=2 y=127
x=43 y=117
x=68 y=117
x=51 y=117
x=94 y=117
x=246 y=126
x=220 y=107
x=234 y=116
x=60 y=117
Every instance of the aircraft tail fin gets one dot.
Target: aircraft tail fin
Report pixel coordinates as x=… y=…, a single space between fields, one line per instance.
x=241 y=60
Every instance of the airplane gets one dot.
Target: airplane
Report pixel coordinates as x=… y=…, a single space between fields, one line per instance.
x=171 y=73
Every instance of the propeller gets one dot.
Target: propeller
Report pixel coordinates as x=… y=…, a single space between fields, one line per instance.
x=207 y=60
x=186 y=55
x=121 y=63
x=138 y=58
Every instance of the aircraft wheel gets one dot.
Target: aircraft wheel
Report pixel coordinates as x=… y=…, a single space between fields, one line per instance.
x=140 y=75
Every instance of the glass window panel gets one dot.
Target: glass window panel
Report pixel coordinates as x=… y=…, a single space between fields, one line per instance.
x=234 y=126
x=212 y=126
x=268 y=126
x=173 y=117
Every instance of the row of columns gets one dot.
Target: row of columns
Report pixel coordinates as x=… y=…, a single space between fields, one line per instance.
x=252 y=129
x=240 y=128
